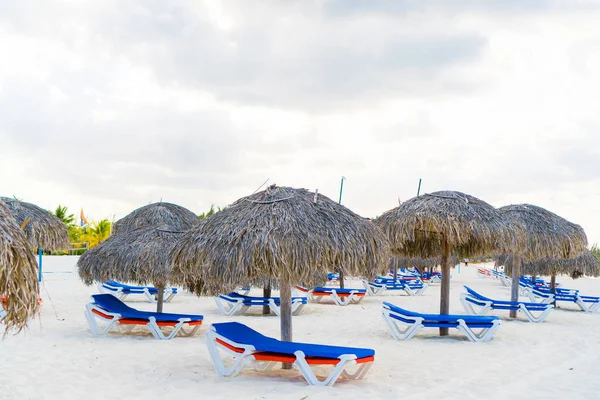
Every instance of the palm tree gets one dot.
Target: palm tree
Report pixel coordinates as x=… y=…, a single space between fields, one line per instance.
x=97 y=233
x=62 y=213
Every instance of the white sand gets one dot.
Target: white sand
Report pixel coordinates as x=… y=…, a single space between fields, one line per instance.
x=58 y=358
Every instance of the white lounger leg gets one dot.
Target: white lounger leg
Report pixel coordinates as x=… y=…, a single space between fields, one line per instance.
x=468 y=306
x=230 y=308
x=297 y=306
x=373 y=290
x=539 y=318
x=241 y=360
x=485 y=335
x=309 y=375
x=169 y=294
x=91 y=317
x=158 y=334
x=397 y=333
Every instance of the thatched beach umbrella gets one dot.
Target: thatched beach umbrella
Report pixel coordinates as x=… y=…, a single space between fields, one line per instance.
x=546 y=235
x=142 y=256
x=586 y=264
x=175 y=217
x=18 y=269
x=289 y=234
x=42 y=229
x=442 y=224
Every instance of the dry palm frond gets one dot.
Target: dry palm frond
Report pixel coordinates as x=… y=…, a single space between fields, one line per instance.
x=18 y=273
x=175 y=217
x=41 y=228
x=546 y=235
x=141 y=255
x=586 y=264
x=282 y=233
x=431 y=262
x=471 y=227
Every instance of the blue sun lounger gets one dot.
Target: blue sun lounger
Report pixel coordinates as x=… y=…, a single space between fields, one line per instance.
x=589 y=304
x=477 y=304
x=340 y=297
x=381 y=284
x=247 y=345
x=121 y=290
x=235 y=303
x=412 y=322
x=114 y=312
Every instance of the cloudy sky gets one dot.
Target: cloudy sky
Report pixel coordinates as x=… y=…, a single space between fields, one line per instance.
x=110 y=105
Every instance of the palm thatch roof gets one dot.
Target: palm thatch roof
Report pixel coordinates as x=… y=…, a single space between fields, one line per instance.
x=283 y=233
x=42 y=229
x=419 y=262
x=175 y=217
x=18 y=273
x=546 y=235
x=417 y=227
x=586 y=264
x=142 y=255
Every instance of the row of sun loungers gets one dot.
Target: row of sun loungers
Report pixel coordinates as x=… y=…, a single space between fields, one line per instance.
x=237 y=304
x=121 y=291
x=381 y=284
x=248 y=346
x=540 y=292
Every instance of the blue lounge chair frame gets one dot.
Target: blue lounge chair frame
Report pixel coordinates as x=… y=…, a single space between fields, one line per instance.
x=247 y=345
x=237 y=304
x=115 y=313
x=588 y=304
x=121 y=291
x=340 y=297
x=397 y=318
x=381 y=284
x=477 y=304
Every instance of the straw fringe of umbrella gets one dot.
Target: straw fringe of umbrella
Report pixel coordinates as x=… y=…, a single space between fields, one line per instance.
x=18 y=273
x=586 y=264
x=175 y=217
x=419 y=262
x=470 y=226
x=141 y=255
x=289 y=234
x=41 y=228
x=547 y=235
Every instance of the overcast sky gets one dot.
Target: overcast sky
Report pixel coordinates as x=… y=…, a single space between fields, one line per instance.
x=110 y=105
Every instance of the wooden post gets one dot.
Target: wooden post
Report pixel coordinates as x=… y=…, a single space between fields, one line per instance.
x=514 y=290
x=285 y=310
x=553 y=287
x=445 y=291
x=341 y=279
x=395 y=269
x=159 y=300
x=267 y=293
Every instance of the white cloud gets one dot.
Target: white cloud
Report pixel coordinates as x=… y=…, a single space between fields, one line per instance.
x=110 y=107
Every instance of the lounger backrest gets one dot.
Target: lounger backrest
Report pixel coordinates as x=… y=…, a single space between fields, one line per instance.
x=111 y=303
x=475 y=294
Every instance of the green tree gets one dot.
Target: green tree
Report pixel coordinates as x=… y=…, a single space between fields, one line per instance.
x=212 y=211
x=63 y=214
x=596 y=251
x=97 y=232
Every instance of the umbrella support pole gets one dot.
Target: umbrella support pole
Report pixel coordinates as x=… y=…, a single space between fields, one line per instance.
x=514 y=290
x=267 y=293
x=285 y=295
x=160 y=298
x=445 y=290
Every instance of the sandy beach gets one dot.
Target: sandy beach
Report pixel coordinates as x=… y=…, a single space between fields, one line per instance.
x=58 y=358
